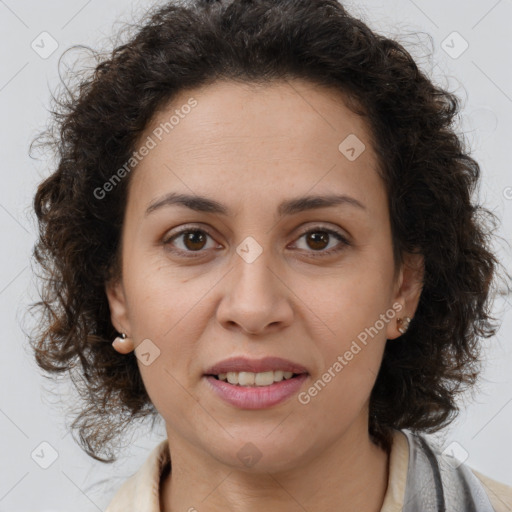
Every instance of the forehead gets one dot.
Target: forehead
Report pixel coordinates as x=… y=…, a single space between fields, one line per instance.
x=276 y=140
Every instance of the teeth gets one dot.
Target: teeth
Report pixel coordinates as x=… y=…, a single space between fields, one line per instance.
x=255 y=379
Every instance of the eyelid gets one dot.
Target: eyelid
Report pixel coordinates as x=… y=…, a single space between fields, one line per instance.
x=185 y=228
x=321 y=227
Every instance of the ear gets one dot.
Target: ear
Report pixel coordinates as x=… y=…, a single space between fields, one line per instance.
x=118 y=306
x=408 y=289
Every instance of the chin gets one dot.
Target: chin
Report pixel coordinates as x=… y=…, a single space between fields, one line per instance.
x=259 y=453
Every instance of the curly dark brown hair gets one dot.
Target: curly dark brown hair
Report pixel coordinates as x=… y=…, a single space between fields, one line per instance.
x=428 y=174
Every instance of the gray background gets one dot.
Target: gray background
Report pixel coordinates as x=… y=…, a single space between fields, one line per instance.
x=481 y=76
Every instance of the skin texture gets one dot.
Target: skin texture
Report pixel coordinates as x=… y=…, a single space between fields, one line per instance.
x=250 y=148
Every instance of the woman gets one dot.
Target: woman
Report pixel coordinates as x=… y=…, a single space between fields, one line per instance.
x=265 y=204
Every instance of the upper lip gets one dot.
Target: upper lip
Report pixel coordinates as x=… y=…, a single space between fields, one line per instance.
x=244 y=364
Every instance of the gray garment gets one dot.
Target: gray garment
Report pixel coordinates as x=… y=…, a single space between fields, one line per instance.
x=436 y=483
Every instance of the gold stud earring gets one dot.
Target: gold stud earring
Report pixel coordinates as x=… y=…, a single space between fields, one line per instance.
x=123 y=344
x=407 y=321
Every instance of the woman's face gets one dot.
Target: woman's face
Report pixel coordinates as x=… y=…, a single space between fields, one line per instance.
x=269 y=272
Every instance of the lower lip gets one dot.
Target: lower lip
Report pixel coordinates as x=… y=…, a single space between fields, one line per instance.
x=257 y=397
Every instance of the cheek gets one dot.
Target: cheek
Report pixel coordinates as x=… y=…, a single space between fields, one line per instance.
x=355 y=311
x=351 y=365
x=166 y=315
x=347 y=303
x=160 y=298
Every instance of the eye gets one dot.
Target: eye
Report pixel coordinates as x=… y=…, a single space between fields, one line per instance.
x=319 y=237
x=192 y=240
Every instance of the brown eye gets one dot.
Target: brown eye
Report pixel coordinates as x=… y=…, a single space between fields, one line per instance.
x=193 y=240
x=317 y=239
x=188 y=241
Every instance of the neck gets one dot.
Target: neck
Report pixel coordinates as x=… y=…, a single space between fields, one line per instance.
x=350 y=475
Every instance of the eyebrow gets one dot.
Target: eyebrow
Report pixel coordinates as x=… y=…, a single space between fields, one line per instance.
x=287 y=207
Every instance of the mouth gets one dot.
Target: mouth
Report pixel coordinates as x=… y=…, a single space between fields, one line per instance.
x=263 y=393
x=255 y=383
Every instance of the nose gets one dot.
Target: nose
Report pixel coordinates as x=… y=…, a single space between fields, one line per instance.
x=255 y=298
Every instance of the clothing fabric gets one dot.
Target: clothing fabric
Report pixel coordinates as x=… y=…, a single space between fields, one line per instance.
x=420 y=479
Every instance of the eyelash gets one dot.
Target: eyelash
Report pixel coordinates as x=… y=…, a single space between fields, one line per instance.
x=316 y=229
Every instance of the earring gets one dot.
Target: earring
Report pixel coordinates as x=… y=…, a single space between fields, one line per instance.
x=122 y=344
x=407 y=322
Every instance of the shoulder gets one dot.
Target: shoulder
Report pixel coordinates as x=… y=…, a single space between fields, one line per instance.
x=141 y=490
x=499 y=493
x=435 y=476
